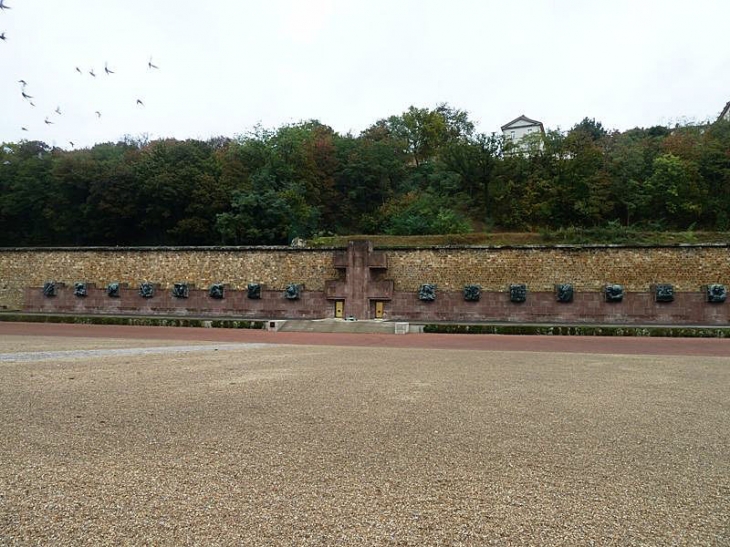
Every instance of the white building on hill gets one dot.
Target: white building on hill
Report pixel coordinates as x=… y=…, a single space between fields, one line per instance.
x=515 y=131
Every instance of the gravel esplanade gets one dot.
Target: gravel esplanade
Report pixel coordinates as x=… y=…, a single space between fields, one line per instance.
x=298 y=445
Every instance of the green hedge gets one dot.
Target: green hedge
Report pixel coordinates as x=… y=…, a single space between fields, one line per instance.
x=583 y=330
x=137 y=321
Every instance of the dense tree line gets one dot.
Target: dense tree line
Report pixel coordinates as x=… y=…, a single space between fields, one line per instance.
x=424 y=171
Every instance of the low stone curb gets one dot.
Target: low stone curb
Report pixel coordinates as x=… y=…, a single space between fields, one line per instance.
x=583 y=330
x=442 y=328
x=136 y=321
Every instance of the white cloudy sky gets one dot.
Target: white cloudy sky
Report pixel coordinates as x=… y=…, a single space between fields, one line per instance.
x=226 y=65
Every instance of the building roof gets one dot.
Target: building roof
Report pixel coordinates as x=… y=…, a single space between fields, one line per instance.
x=725 y=111
x=523 y=118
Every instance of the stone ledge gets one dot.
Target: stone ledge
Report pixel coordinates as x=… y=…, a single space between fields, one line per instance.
x=581 y=330
x=417 y=327
x=562 y=247
x=246 y=248
x=225 y=323
x=287 y=248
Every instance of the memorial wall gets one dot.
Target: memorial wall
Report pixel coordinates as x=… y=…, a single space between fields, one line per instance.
x=684 y=284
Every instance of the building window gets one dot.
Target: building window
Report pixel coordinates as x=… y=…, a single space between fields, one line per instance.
x=512 y=135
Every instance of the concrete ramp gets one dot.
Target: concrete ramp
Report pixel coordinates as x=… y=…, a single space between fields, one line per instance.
x=339 y=325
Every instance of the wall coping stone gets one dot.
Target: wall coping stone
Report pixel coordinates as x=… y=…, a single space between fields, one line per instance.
x=249 y=248
x=286 y=248
x=568 y=247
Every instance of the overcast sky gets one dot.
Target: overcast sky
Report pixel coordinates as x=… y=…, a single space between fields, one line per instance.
x=227 y=65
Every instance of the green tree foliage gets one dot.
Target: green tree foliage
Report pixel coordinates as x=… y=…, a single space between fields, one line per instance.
x=590 y=128
x=675 y=190
x=474 y=160
x=27 y=201
x=180 y=192
x=266 y=216
x=714 y=167
x=369 y=170
x=421 y=214
x=424 y=171
x=114 y=211
x=421 y=133
x=629 y=165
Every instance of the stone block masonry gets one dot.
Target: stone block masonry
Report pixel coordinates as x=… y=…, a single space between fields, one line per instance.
x=366 y=283
x=235 y=303
x=273 y=267
x=543 y=307
x=587 y=267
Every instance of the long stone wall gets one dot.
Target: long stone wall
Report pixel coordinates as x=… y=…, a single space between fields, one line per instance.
x=273 y=267
x=587 y=267
x=359 y=278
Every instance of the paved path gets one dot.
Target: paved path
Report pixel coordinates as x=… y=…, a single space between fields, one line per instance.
x=27 y=356
x=489 y=342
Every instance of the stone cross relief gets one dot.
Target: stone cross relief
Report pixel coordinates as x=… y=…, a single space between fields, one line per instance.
x=362 y=267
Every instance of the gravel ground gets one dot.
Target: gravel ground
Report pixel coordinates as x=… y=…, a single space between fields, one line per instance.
x=301 y=445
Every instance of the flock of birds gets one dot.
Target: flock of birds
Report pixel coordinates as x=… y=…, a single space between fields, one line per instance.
x=3 y=7
x=29 y=98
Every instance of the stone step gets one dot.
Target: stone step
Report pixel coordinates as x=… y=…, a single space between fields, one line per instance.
x=339 y=325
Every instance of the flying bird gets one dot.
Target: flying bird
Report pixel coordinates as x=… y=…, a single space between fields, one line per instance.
x=3 y=6
x=31 y=103
x=106 y=69
x=25 y=95
x=92 y=73
x=98 y=114
x=78 y=70
x=48 y=122
x=24 y=128
x=2 y=37
x=139 y=101
x=150 y=65
x=23 y=83
x=58 y=110
x=71 y=143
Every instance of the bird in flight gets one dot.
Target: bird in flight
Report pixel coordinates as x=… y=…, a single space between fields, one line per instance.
x=78 y=70
x=2 y=37
x=58 y=110
x=24 y=128
x=98 y=114
x=71 y=143
x=23 y=83
x=106 y=69
x=150 y=65
x=31 y=103
x=3 y=6
x=92 y=73
x=139 y=102
x=25 y=95
x=48 y=122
